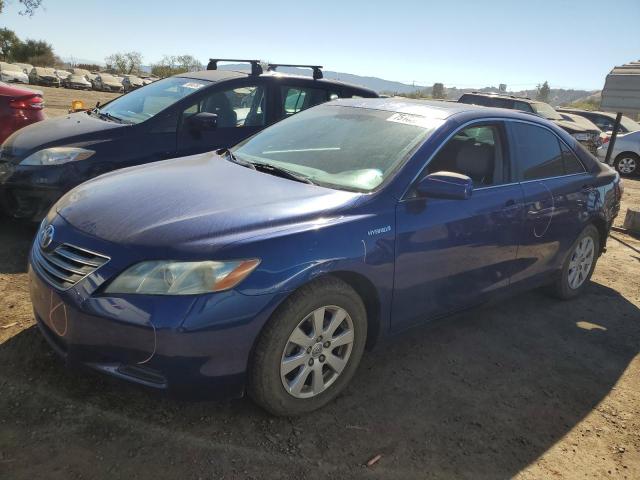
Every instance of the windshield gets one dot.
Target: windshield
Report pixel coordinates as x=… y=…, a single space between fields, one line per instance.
x=546 y=111
x=147 y=101
x=337 y=146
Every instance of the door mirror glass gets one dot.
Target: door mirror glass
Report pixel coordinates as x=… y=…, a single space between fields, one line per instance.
x=454 y=186
x=203 y=121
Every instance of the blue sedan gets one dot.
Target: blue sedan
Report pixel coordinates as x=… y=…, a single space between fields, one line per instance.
x=269 y=267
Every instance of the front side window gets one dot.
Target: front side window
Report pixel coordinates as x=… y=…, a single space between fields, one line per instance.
x=296 y=99
x=537 y=151
x=337 y=146
x=147 y=101
x=476 y=152
x=235 y=107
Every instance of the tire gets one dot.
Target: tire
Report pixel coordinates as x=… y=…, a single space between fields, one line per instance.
x=569 y=284
x=627 y=164
x=324 y=299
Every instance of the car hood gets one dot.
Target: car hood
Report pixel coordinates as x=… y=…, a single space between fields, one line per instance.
x=67 y=130
x=572 y=127
x=193 y=204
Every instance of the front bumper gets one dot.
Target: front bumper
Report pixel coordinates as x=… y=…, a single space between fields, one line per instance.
x=195 y=345
x=29 y=192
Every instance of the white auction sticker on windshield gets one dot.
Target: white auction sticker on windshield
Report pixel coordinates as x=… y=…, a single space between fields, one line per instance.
x=193 y=85
x=409 y=119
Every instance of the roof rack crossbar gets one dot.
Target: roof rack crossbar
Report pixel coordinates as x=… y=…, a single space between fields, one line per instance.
x=317 y=69
x=256 y=68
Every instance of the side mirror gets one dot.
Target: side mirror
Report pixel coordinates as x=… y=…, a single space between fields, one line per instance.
x=203 y=121
x=454 y=186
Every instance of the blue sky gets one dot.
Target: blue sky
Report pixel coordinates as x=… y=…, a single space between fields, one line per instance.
x=572 y=44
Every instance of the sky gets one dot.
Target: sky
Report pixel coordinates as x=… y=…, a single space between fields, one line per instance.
x=463 y=43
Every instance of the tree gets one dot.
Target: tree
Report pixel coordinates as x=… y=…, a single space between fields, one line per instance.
x=30 y=6
x=438 y=91
x=127 y=62
x=35 y=52
x=8 y=41
x=543 y=92
x=174 y=64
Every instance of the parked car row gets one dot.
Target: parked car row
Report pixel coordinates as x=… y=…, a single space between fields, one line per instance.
x=77 y=78
x=591 y=128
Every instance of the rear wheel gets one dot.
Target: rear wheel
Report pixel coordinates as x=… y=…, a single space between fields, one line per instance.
x=627 y=164
x=310 y=348
x=579 y=265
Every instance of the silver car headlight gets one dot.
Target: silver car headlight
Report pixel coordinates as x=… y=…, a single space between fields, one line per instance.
x=182 y=278
x=57 y=156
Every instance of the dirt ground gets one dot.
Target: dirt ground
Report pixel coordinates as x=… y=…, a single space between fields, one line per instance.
x=57 y=101
x=531 y=388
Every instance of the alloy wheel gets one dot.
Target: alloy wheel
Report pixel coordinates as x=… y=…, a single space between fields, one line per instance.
x=317 y=351
x=580 y=263
x=627 y=165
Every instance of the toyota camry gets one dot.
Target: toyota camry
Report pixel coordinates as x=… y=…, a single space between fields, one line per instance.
x=267 y=268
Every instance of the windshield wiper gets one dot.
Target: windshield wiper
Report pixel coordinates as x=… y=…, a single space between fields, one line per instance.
x=234 y=159
x=267 y=168
x=108 y=116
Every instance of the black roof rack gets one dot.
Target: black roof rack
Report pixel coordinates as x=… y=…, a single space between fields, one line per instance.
x=317 y=69
x=256 y=68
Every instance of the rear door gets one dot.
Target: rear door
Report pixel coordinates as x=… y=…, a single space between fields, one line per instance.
x=556 y=191
x=451 y=254
x=241 y=107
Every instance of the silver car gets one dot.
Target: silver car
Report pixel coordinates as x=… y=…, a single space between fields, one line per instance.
x=12 y=73
x=625 y=157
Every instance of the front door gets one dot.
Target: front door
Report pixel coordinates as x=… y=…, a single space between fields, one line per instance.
x=451 y=254
x=241 y=111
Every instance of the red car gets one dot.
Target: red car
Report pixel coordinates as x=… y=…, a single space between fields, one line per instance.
x=18 y=107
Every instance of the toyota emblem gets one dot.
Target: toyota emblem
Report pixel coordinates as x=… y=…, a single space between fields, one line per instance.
x=47 y=236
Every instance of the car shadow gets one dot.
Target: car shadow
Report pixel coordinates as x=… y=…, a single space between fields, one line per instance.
x=479 y=395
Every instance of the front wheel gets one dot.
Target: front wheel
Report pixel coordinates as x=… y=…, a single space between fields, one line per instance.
x=579 y=265
x=310 y=348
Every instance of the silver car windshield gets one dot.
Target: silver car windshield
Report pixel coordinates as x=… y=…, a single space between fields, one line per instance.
x=339 y=146
x=145 y=102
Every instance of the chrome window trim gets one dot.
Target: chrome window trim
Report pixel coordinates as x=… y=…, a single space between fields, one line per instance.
x=403 y=197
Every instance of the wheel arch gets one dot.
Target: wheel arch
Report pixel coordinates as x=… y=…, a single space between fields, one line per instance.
x=603 y=230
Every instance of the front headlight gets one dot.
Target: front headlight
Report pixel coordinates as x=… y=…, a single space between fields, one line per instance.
x=57 y=156
x=182 y=278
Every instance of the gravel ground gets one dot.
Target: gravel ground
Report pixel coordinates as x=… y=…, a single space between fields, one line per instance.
x=529 y=388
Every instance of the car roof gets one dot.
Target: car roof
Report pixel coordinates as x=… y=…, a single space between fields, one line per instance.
x=223 y=75
x=437 y=110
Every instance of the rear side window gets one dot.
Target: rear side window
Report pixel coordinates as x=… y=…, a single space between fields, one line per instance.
x=571 y=162
x=537 y=152
x=523 y=106
x=296 y=99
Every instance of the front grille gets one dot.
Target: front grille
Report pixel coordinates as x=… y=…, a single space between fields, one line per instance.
x=66 y=265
